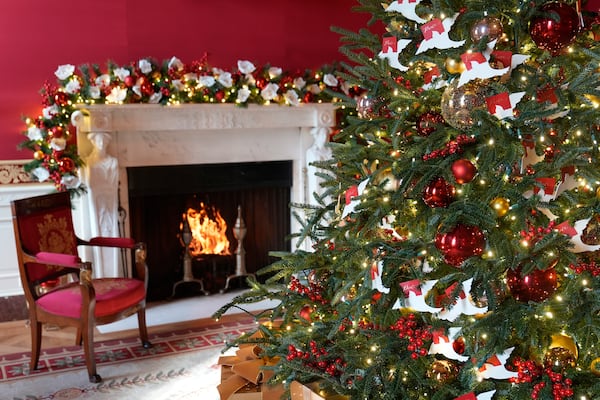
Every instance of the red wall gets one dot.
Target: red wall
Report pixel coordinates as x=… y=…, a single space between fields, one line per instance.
x=38 y=35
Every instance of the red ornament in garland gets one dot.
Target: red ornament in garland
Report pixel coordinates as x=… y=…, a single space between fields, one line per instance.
x=61 y=99
x=306 y=313
x=462 y=242
x=438 y=193
x=428 y=122
x=556 y=27
x=463 y=170
x=536 y=286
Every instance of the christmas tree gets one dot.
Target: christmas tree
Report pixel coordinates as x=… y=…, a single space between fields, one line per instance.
x=454 y=252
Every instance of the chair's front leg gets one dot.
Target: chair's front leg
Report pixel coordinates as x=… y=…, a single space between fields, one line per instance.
x=36 y=342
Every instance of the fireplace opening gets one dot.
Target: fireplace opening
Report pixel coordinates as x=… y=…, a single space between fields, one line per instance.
x=213 y=195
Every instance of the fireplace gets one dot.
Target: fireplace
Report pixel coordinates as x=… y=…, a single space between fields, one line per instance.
x=160 y=195
x=263 y=150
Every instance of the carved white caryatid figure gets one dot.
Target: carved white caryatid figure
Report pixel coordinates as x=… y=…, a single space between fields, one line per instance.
x=317 y=152
x=101 y=176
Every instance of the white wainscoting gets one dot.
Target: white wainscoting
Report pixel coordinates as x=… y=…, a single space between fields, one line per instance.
x=10 y=283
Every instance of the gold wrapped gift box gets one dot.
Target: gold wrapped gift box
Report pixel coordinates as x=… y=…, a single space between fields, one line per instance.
x=242 y=376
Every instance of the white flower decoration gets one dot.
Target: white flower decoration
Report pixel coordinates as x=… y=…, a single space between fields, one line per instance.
x=274 y=72
x=246 y=67
x=94 y=92
x=250 y=79
x=178 y=85
x=102 y=80
x=137 y=89
x=73 y=86
x=34 y=133
x=70 y=181
x=117 y=95
x=190 y=76
x=58 y=144
x=121 y=73
x=225 y=79
x=314 y=88
x=155 y=98
x=50 y=111
x=206 y=80
x=64 y=71
x=77 y=117
x=330 y=80
x=270 y=91
x=299 y=83
x=291 y=97
x=175 y=63
x=41 y=174
x=242 y=95
x=145 y=66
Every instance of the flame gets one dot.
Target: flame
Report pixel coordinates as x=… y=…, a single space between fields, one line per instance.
x=208 y=231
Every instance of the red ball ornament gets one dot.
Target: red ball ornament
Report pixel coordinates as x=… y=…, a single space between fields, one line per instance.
x=462 y=242
x=556 y=27
x=305 y=313
x=129 y=81
x=61 y=99
x=463 y=170
x=147 y=88
x=66 y=165
x=57 y=131
x=428 y=122
x=438 y=193
x=536 y=286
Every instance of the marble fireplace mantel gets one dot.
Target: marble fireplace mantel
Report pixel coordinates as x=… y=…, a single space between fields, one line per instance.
x=155 y=135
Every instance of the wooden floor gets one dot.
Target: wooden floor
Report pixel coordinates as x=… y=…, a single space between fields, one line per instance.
x=15 y=335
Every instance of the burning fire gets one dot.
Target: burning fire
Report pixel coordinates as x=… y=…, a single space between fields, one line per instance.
x=208 y=231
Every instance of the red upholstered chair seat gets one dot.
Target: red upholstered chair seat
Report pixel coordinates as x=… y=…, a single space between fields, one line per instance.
x=113 y=295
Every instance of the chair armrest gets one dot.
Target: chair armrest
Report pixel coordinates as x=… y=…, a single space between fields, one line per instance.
x=120 y=242
x=63 y=260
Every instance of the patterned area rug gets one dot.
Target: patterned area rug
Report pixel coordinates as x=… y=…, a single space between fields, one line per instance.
x=180 y=365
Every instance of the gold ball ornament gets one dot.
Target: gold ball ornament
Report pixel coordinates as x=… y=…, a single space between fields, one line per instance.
x=38 y=155
x=500 y=205
x=490 y=27
x=560 y=340
x=458 y=103
x=455 y=66
x=442 y=371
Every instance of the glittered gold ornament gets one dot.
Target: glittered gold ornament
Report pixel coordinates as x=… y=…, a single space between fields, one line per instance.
x=459 y=102
x=500 y=205
x=559 y=359
x=442 y=371
x=38 y=155
x=591 y=232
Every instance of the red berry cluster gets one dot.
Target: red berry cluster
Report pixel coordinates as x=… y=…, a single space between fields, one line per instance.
x=535 y=234
x=314 y=291
x=418 y=336
x=528 y=372
x=592 y=267
x=317 y=358
x=561 y=386
x=454 y=146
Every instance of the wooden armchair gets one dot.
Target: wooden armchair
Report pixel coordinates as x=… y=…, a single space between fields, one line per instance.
x=59 y=288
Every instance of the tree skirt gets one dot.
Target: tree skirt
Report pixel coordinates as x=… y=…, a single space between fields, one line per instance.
x=180 y=365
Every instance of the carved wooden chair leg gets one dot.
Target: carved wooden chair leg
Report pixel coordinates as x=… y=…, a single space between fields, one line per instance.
x=36 y=343
x=141 y=314
x=78 y=337
x=88 y=349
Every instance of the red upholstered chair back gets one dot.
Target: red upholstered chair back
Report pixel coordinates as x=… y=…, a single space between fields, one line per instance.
x=44 y=224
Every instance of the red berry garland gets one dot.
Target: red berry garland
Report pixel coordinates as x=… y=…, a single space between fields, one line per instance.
x=314 y=291
x=418 y=336
x=317 y=358
x=528 y=372
x=454 y=146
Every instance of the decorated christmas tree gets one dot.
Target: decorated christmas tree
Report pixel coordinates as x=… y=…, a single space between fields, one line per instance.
x=454 y=252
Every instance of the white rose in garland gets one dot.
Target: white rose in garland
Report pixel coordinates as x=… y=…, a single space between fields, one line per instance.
x=246 y=67
x=270 y=91
x=242 y=95
x=145 y=66
x=64 y=71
